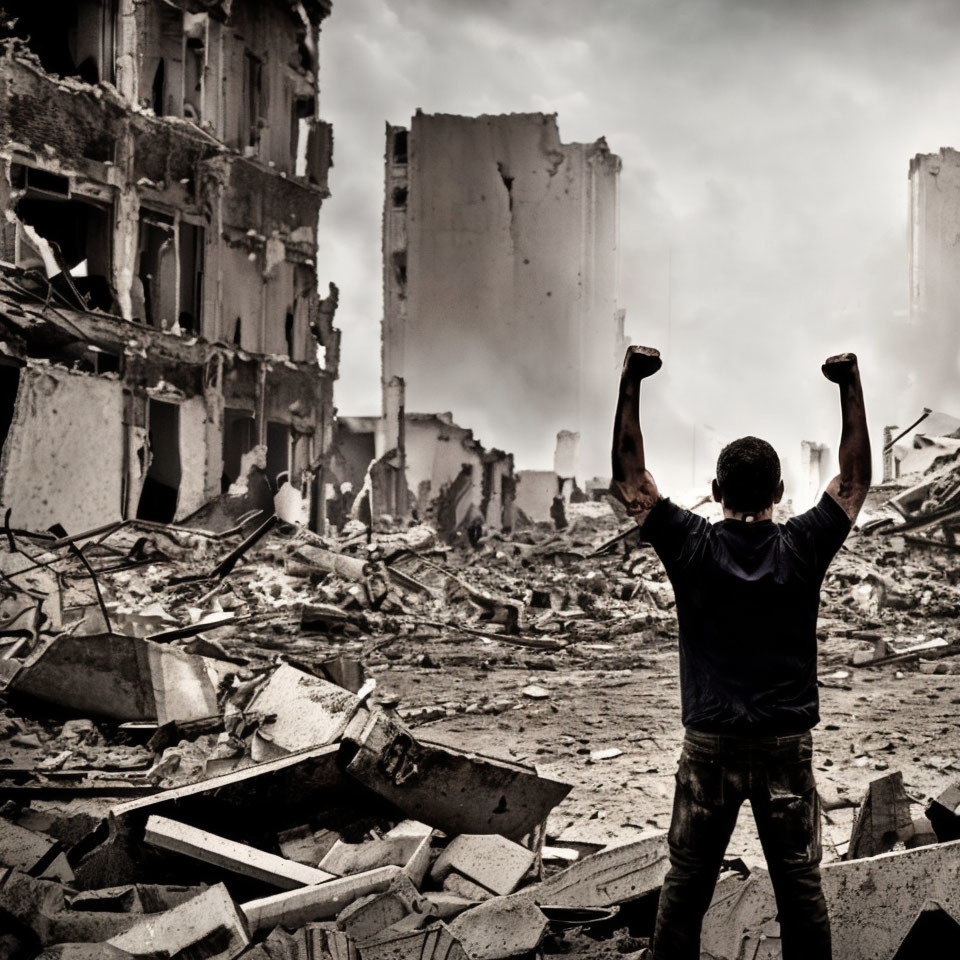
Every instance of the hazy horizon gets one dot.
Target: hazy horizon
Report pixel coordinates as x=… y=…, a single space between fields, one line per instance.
x=765 y=151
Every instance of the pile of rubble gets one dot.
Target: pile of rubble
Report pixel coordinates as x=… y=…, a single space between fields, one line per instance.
x=188 y=772
x=196 y=759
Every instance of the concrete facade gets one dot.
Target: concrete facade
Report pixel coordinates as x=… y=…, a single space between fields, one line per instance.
x=933 y=351
x=500 y=248
x=162 y=168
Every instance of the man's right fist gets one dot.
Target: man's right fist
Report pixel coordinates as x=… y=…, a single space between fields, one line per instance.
x=640 y=363
x=841 y=368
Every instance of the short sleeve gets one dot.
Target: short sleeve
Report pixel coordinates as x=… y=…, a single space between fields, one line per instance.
x=672 y=531
x=823 y=528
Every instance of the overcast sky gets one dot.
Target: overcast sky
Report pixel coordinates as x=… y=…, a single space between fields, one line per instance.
x=765 y=149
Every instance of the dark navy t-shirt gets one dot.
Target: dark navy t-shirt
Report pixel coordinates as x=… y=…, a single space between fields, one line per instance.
x=747 y=601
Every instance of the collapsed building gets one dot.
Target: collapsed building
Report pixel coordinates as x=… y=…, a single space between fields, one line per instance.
x=500 y=285
x=162 y=168
x=500 y=248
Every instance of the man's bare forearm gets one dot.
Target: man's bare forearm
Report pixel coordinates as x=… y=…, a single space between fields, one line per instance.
x=631 y=479
x=851 y=486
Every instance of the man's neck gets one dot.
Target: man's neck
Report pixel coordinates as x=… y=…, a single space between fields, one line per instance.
x=747 y=516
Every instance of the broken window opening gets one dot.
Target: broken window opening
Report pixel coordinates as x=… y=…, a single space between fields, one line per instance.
x=399 y=196
x=161 y=486
x=71 y=240
x=159 y=88
x=78 y=41
x=288 y=325
x=400 y=146
x=399 y=259
x=239 y=437
x=166 y=49
x=191 y=277
x=252 y=98
x=9 y=386
x=194 y=61
x=278 y=451
x=508 y=183
x=303 y=111
x=157 y=268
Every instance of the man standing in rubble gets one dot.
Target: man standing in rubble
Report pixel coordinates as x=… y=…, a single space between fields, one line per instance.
x=748 y=592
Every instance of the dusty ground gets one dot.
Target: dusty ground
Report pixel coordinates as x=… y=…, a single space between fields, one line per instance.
x=876 y=719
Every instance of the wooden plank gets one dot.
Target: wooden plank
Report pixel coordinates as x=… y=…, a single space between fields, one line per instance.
x=322 y=901
x=230 y=855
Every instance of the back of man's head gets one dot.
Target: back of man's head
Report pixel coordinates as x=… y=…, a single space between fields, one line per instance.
x=748 y=475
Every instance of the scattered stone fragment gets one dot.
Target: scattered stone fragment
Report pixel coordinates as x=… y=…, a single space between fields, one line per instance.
x=489 y=860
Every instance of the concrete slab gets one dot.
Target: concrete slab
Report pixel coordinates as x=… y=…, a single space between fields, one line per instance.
x=310 y=712
x=322 y=901
x=487 y=859
x=502 y=927
x=613 y=875
x=371 y=915
x=872 y=902
x=453 y=791
x=123 y=678
x=212 y=915
x=344 y=859
x=229 y=855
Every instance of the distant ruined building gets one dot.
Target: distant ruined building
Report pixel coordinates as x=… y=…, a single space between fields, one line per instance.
x=933 y=351
x=162 y=168
x=500 y=259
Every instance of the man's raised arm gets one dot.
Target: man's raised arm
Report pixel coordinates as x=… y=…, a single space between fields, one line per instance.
x=632 y=481
x=849 y=488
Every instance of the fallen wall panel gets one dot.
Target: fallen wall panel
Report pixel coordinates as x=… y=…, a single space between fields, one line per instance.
x=63 y=457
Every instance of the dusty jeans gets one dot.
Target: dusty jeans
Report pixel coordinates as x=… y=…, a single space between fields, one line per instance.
x=716 y=774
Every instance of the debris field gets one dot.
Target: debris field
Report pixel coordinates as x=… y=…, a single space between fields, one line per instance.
x=267 y=743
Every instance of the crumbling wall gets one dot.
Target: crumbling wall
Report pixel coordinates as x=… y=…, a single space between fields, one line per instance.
x=536 y=490
x=193 y=459
x=63 y=458
x=500 y=245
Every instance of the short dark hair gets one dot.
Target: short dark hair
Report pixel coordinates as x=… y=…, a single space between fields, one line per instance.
x=748 y=474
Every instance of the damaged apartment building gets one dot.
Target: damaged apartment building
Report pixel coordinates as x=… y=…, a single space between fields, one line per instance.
x=500 y=286
x=162 y=167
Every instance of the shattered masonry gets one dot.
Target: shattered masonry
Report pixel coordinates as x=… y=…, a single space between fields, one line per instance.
x=495 y=232
x=163 y=168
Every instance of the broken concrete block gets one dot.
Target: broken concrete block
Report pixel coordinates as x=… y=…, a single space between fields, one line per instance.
x=935 y=935
x=306 y=845
x=321 y=901
x=446 y=905
x=33 y=853
x=944 y=814
x=453 y=791
x=488 y=859
x=369 y=916
x=309 y=711
x=210 y=923
x=290 y=783
x=460 y=886
x=84 y=951
x=344 y=859
x=124 y=678
x=883 y=815
x=502 y=927
x=434 y=942
x=410 y=828
x=614 y=875
x=230 y=855
x=872 y=902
